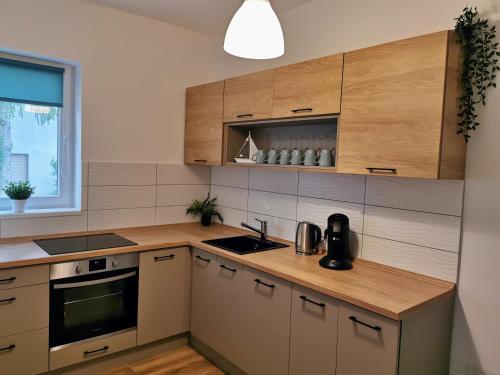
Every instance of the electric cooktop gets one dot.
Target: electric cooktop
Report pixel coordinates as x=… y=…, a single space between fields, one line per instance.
x=55 y=246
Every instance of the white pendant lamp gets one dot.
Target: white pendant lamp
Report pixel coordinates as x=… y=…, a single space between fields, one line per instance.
x=255 y=32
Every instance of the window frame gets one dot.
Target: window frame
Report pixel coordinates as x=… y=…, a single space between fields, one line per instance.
x=68 y=148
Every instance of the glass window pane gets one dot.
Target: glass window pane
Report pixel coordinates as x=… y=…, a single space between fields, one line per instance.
x=29 y=139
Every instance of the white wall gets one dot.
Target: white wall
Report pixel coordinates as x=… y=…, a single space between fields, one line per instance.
x=325 y=27
x=135 y=71
x=406 y=223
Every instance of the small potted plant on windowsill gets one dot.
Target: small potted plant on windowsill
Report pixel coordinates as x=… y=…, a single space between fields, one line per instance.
x=19 y=192
x=206 y=209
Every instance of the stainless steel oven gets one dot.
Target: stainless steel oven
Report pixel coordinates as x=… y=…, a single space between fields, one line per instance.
x=92 y=298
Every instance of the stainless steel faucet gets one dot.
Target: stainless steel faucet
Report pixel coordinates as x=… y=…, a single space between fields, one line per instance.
x=262 y=231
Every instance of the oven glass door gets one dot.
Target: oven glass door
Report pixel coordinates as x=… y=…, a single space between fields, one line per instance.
x=87 y=306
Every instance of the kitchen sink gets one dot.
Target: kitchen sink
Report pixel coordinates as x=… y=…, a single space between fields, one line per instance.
x=244 y=244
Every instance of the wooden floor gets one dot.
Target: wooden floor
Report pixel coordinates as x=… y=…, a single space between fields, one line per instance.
x=184 y=360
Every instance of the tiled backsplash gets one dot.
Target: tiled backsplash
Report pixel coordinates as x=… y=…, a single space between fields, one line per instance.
x=117 y=195
x=406 y=223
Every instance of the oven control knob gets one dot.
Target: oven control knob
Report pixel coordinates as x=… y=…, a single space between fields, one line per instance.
x=114 y=263
x=78 y=268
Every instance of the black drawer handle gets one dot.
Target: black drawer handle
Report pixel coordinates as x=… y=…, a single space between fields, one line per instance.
x=355 y=320
x=8 y=280
x=8 y=300
x=87 y=353
x=165 y=257
x=245 y=115
x=7 y=348
x=259 y=281
x=200 y=160
x=300 y=110
x=304 y=298
x=382 y=170
x=227 y=268
x=203 y=259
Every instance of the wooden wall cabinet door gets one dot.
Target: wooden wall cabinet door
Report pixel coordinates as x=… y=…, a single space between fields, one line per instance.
x=313 y=336
x=399 y=109
x=249 y=97
x=368 y=343
x=164 y=294
x=204 y=128
x=308 y=88
x=264 y=324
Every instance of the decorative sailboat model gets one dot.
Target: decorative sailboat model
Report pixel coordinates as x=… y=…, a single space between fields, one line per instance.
x=247 y=152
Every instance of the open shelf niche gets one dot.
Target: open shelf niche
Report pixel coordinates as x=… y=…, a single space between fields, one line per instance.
x=314 y=132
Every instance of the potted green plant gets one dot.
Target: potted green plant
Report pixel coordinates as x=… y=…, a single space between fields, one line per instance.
x=19 y=192
x=206 y=209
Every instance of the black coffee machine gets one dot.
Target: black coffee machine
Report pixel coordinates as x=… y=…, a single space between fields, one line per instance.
x=337 y=233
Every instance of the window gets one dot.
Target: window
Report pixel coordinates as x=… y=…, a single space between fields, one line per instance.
x=39 y=132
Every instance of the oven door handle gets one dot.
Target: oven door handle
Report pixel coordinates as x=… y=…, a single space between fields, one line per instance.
x=95 y=282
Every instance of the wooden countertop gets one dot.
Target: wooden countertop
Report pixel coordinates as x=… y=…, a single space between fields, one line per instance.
x=385 y=290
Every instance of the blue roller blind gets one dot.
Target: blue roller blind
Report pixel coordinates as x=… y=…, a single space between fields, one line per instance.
x=23 y=82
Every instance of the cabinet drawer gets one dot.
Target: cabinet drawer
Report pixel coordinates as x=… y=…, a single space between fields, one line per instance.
x=23 y=276
x=164 y=294
x=367 y=343
x=93 y=349
x=314 y=325
x=24 y=309
x=25 y=353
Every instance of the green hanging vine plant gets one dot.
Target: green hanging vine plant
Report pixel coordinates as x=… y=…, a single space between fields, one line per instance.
x=480 y=65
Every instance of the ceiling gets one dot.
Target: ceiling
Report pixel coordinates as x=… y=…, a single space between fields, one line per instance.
x=209 y=17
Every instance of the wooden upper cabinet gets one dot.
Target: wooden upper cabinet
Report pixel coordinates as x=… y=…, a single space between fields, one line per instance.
x=308 y=88
x=249 y=97
x=399 y=106
x=203 y=131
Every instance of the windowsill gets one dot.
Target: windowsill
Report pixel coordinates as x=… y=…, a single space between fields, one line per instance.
x=45 y=212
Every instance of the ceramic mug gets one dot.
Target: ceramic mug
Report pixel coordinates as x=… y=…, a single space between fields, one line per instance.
x=325 y=158
x=285 y=156
x=310 y=157
x=260 y=157
x=297 y=157
x=273 y=156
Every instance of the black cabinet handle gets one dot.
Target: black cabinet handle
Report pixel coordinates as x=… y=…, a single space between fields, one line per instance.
x=304 y=298
x=382 y=170
x=86 y=353
x=200 y=160
x=259 y=281
x=10 y=347
x=245 y=115
x=227 y=268
x=203 y=259
x=355 y=320
x=165 y=257
x=300 y=110
x=8 y=300
x=8 y=280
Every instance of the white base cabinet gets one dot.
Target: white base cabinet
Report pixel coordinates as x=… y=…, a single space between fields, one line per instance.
x=264 y=325
x=25 y=353
x=368 y=343
x=242 y=314
x=164 y=294
x=313 y=336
